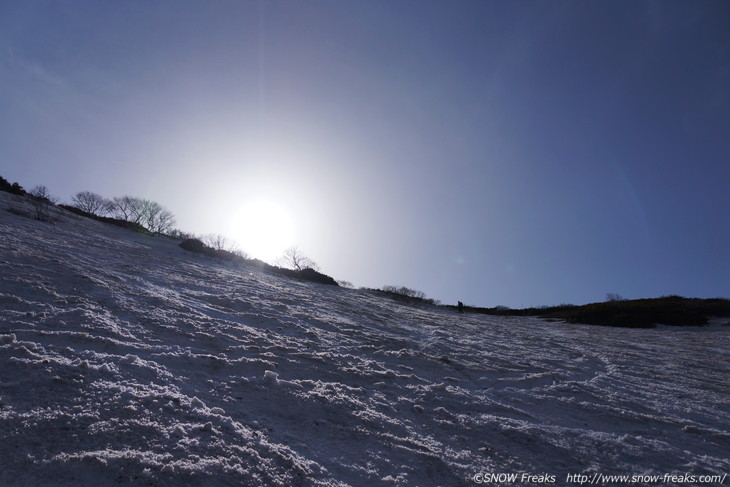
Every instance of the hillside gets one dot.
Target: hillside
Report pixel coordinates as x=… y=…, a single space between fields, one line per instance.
x=127 y=360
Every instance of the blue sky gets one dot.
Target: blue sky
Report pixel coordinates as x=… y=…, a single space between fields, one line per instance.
x=501 y=153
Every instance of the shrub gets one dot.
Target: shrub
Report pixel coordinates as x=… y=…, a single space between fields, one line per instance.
x=4 y=184
x=179 y=234
x=240 y=254
x=42 y=201
x=403 y=293
x=14 y=188
x=646 y=313
x=218 y=242
x=315 y=276
x=194 y=245
x=77 y=211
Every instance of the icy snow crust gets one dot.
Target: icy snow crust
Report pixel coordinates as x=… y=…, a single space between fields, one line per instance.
x=127 y=360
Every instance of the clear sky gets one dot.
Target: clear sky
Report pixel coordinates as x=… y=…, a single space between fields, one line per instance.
x=503 y=153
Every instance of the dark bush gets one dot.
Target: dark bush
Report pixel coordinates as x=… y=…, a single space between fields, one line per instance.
x=179 y=234
x=77 y=211
x=194 y=245
x=135 y=227
x=14 y=188
x=646 y=313
x=42 y=202
x=402 y=293
x=316 y=276
x=4 y=184
x=304 y=275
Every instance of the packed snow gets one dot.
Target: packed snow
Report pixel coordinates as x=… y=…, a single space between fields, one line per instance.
x=126 y=360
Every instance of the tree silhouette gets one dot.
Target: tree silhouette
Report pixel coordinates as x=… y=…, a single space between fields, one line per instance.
x=91 y=203
x=150 y=214
x=293 y=258
x=42 y=201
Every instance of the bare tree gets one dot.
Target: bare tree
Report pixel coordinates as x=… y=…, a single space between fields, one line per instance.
x=216 y=241
x=121 y=208
x=90 y=203
x=404 y=291
x=137 y=210
x=42 y=201
x=150 y=214
x=293 y=258
x=164 y=222
x=240 y=253
x=155 y=217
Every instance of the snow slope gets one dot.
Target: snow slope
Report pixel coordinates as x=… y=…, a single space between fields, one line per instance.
x=125 y=360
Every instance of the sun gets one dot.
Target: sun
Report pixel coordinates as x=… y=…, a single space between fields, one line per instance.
x=264 y=229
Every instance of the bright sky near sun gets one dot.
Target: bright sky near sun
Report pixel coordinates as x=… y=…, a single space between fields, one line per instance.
x=500 y=153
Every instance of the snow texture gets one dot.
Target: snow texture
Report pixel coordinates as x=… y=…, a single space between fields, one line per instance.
x=125 y=360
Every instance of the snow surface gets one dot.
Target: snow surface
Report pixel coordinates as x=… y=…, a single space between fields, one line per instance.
x=125 y=360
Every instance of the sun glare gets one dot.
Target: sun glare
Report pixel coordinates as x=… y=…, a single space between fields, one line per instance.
x=264 y=230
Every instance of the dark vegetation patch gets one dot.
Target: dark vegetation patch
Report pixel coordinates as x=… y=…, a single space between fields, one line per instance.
x=405 y=295
x=136 y=227
x=13 y=188
x=507 y=311
x=315 y=276
x=647 y=313
x=635 y=313
x=194 y=245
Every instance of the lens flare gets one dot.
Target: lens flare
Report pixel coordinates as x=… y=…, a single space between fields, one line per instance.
x=264 y=229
